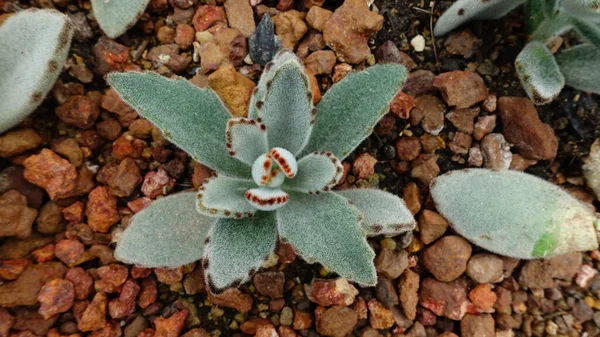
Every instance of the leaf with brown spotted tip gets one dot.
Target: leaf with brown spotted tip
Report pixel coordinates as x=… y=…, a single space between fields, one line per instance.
x=223 y=197
x=246 y=139
x=317 y=172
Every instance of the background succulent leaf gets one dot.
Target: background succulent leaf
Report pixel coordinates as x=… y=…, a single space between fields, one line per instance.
x=246 y=139
x=192 y=118
x=116 y=16
x=463 y=11
x=33 y=48
x=287 y=107
x=588 y=10
x=539 y=73
x=383 y=212
x=579 y=66
x=167 y=233
x=222 y=196
x=538 y=11
x=587 y=30
x=318 y=171
x=237 y=248
x=325 y=228
x=350 y=109
x=513 y=213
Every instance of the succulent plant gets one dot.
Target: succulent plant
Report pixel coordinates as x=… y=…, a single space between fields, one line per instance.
x=116 y=16
x=276 y=171
x=33 y=49
x=543 y=76
x=513 y=213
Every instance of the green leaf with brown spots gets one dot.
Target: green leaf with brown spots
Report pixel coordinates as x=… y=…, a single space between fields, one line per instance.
x=117 y=16
x=539 y=73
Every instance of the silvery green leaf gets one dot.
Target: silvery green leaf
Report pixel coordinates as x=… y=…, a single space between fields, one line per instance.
x=116 y=16
x=286 y=107
x=513 y=213
x=33 y=48
x=325 y=228
x=587 y=10
x=587 y=30
x=235 y=249
x=383 y=212
x=463 y=11
x=537 y=11
x=246 y=139
x=194 y=119
x=579 y=66
x=167 y=233
x=539 y=73
x=318 y=171
x=223 y=197
x=350 y=109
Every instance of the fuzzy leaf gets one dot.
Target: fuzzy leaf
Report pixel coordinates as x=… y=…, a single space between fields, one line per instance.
x=318 y=171
x=223 y=197
x=33 y=48
x=463 y=11
x=117 y=16
x=588 y=31
x=192 y=118
x=579 y=66
x=384 y=213
x=325 y=228
x=266 y=199
x=350 y=109
x=539 y=73
x=287 y=106
x=167 y=233
x=588 y=10
x=537 y=11
x=513 y=213
x=237 y=248
x=246 y=139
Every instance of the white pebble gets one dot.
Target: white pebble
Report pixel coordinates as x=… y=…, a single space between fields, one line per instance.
x=418 y=42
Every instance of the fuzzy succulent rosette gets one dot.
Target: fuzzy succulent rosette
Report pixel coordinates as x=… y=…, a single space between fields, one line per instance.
x=276 y=171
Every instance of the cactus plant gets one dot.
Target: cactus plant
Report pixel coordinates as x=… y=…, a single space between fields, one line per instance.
x=542 y=75
x=117 y=16
x=33 y=49
x=275 y=168
x=513 y=213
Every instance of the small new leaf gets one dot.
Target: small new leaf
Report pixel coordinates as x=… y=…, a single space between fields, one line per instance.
x=539 y=73
x=523 y=216
x=317 y=172
x=168 y=233
x=223 y=197
x=116 y=16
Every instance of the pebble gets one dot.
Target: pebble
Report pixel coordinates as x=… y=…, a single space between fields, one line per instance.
x=419 y=82
x=485 y=268
x=461 y=89
x=121 y=179
x=269 y=284
x=483 y=297
x=447 y=299
x=461 y=143
x=447 y=258
x=385 y=292
x=82 y=282
x=519 y=163
x=541 y=273
x=411 y=194
x=387 y=52
x=462 y=43
x=302 y=320
x=184 y=36
x=425 y=168
x=170 y=276
x=208 y=16
x=337 y=321
x=69 y=251
x=16 y=219
x=379 y=316
x=51 y=172
x=432 y=143
x=432 y=226
x=101 y=209
x=320 y=62
x=348 y=30
x=240 y=16
x=418 y=43
x=391 y=263
x=264 y=44
x=232 y=298
x=496 y=152
x=317 y=16
x=475 y=156
x=111 y=56
x=111 y=278
x=166 y=35
x=289 y=28
x=172 y=326
x=157 y=183
x=408 y=148
x=286 y=331
x=402 y=105
x=18 y=141
x=477 y=326
x=56 y=296
x=462 y=119
x=408 y=287
x=429 y=112
x=267 y=330
x=69 y=147
x=363 y=166
x=112 y=102
x=148 y=293
x=82 y=30
x=233 y=88
x=484 y=126
x=11 y=269
x=6 y=321
x=489 y=104
x=168 y=55
x=94 y=315
x=522 y=127
x=331 y=292
x=30 y=323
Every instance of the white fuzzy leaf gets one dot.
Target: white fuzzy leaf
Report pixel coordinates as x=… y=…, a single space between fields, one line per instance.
x=587 y=10
x=587 y=30
x=463 y=11
x=192 y=118
x=167 y=233
x=579 y=66
x=350 y=109
x=33 y=49
x=318 y=171
x=266 y=199
x=285 y=160
x=383 y=212
x=287 y=106
x=223 y=196
x=539 y=73
x=513 y=213
x=116 y=16
x=237 y=248
x=246 y=139
x=325 y=228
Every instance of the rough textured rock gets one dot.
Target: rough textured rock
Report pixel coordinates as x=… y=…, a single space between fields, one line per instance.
x=496 y=152
x=391 y=263
x=477 y=326
x=101 y=209
x=537 y=274
x=348 y=30
x=232 y=298
x=317 y=16
x=320 y=62
x=462 y=89
x=79 y=111
x=264 y=44
x=432 y=226
x=522 y=127
x=269 y=284
x=380 y=317
x=462 y=119
x=408 y=287
x=18 y=141
x=444 y=299
x=24 y=291
x=233 y=88
x=94 y=315
x=54 y=174
x=485 y=268
x=337 y=321
x=289 y=28
x=331 y=292
x=56 y=296
x=483 y=297
x=16 y=219
x=429 y=112
x=447 y=258
x=240 y=16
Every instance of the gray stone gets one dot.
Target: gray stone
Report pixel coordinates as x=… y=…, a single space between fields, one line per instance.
x=264 y=44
